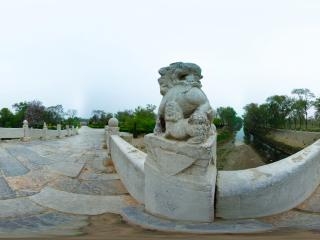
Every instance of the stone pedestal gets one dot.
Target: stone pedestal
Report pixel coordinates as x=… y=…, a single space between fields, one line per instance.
x=180 y=179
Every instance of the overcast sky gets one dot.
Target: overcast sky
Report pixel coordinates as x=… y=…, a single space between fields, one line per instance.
x=105 y=55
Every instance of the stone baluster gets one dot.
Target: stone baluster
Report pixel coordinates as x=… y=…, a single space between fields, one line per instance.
x=59 y=130
x=112 y=129
x=26 y=133
x=106 y=134
x=44 y=132
x=72 y=131
x=68 y=130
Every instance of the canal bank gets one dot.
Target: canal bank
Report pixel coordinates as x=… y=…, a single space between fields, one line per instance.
x=235 y=154
x=287 y=142
x=249 y=150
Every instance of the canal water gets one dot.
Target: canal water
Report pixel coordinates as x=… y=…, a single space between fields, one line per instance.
x=268 y=153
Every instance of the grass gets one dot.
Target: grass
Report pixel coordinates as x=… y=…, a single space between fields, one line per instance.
x=224 y=135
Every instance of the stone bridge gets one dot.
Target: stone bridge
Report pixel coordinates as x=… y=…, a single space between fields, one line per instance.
x=51 y=187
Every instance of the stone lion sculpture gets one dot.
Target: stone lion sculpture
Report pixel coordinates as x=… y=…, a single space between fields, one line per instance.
x=184 y=112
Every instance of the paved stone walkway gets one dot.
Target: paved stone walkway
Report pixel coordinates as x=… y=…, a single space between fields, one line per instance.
x=51 y=187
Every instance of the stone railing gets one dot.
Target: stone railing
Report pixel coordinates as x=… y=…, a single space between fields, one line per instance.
x=128 y=160
x=25 y=133
x=256 y=192
x=269 y=189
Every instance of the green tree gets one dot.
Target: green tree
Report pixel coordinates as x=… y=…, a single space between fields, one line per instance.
x=20 y=113
x=229 y=117
x=126 y=120
x=35 y=114
x=253 y=117
x=305 y=97
x=218 y=122
x=264 y=116
x=144 y=119
x=6 y=118
x=141 y=120
x=298 y=108
x=316 y=104
x=99 y=119
x=72 y=119
x=54 y=115
x=279 y=107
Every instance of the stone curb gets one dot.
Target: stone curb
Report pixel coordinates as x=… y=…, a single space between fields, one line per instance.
x=137 y=216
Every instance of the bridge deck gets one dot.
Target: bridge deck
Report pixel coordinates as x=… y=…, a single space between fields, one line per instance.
x=43 y=184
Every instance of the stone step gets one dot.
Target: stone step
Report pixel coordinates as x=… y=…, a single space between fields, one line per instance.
x=137 y=216
x=70 y=169
x=79 y=203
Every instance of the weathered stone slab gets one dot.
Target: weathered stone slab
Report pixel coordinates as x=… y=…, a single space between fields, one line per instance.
x=66 y=184
x=34 y=181
x=70 y=169
x=46 y=224
x=78 y=203
x=89 y=175
x=90 y=187
x=110 y=187
x=97 y=162
x=28 y=155
x=19 y=207
x=10 y=165
x=5 y=191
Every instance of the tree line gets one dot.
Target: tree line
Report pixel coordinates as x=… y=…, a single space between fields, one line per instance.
x=227 y=117
x=282 y=111
x=36 y=114
x=138 y=121
x=142 y=120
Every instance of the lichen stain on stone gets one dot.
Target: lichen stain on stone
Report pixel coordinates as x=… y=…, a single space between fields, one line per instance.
x=297 y=158
x=257 y=174
x=132 y=151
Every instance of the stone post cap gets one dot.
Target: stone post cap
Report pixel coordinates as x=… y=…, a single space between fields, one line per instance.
x=113 y=122
x=44 y=125
x=25 y=121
